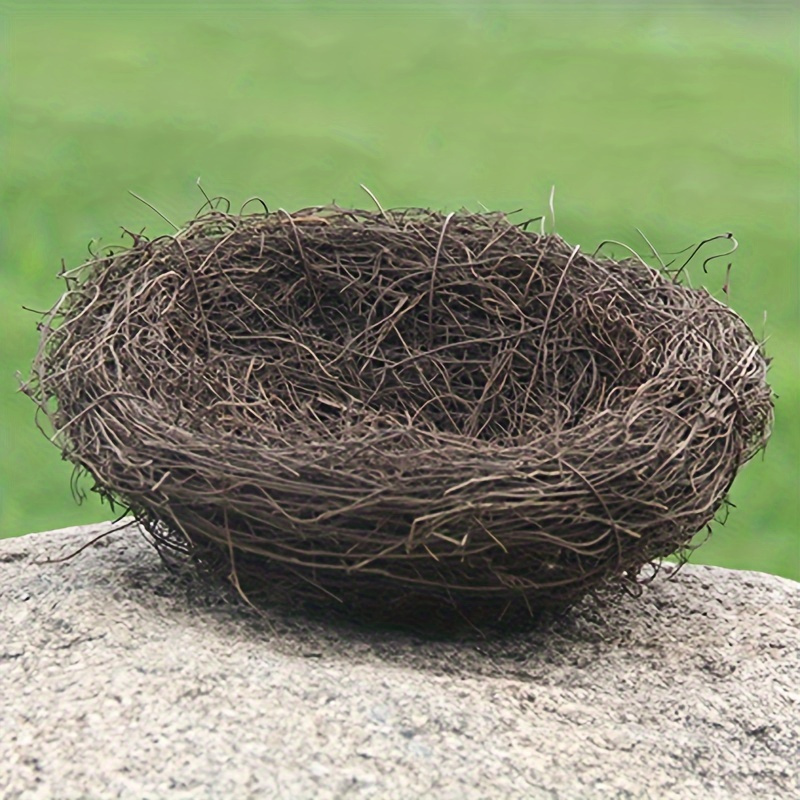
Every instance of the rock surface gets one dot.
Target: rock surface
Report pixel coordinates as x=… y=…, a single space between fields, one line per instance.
x=120 y=680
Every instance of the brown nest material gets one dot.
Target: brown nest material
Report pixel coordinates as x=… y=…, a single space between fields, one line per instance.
x=401 y=414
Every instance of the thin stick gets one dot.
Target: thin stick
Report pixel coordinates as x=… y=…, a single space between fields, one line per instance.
x=153 y=208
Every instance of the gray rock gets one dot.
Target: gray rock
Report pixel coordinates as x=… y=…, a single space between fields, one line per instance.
x=119 y=679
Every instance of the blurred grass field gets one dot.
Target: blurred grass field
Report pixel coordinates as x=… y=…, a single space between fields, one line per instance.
x=682 y=121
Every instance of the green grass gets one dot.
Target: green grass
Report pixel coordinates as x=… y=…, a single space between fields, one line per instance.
x=682 y=122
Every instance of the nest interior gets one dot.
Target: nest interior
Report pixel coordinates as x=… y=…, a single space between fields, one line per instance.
x=401 y=414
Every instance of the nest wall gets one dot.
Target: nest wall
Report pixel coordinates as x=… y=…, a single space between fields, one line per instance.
x=401 y=414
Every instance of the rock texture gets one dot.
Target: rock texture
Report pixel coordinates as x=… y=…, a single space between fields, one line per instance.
x=119 y=679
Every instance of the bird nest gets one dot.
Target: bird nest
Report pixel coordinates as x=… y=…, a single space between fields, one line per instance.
x=401 y=414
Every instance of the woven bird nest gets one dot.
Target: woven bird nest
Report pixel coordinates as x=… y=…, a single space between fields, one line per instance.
x=401 y=414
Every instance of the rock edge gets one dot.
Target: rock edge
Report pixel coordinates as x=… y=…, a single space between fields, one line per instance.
x=121 y=680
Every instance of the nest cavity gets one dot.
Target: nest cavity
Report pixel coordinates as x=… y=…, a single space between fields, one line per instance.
x=403 y=415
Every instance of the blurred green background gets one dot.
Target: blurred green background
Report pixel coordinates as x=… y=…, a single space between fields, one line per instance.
x=679 y=119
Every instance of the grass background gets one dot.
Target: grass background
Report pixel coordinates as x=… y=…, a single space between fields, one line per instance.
x=680 y=119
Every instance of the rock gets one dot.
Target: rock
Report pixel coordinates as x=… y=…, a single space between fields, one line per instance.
x=121 y=679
